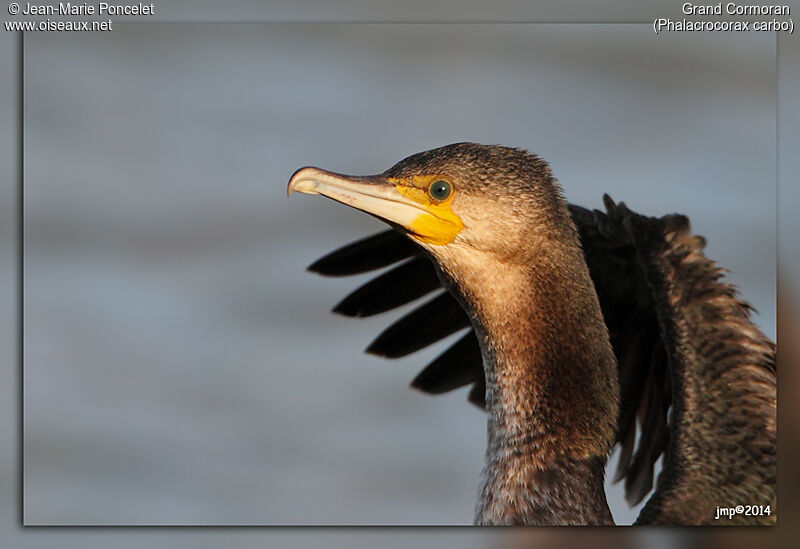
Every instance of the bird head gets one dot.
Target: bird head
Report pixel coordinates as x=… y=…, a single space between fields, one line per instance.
x=500 y=233
x=462 y=200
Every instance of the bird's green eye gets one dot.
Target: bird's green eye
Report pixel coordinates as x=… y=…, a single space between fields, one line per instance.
x=440 y=190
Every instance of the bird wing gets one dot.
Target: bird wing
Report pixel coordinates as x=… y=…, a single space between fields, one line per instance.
x=722 y=379
x=625 y=254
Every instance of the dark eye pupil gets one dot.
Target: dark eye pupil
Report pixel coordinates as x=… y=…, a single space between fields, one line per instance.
x=440 y=190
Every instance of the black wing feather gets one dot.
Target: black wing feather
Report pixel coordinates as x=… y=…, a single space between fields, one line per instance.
x=368 y=254
x=435 y=320
x=394 y=288
x=459 y=365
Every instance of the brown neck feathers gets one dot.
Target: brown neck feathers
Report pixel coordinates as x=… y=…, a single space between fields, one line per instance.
x=551 y=385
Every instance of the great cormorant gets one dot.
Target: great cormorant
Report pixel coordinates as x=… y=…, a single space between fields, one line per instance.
x=583 y=323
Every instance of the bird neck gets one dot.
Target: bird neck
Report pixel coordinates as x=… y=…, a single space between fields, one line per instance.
x=551 y=387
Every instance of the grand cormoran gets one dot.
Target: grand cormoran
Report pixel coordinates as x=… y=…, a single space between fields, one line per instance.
x=582 y=324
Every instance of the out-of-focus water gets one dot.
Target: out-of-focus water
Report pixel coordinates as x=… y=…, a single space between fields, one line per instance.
x=180 y=365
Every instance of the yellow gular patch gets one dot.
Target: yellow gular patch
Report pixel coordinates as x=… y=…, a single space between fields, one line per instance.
x=438 y=224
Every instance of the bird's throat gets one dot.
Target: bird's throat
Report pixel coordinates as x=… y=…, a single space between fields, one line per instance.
x=551 y=390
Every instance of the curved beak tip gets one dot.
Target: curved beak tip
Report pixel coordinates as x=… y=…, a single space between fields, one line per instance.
x=303 y=181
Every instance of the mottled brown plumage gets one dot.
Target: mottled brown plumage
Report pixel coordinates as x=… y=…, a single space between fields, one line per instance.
x=552 y=311
x=723 y=380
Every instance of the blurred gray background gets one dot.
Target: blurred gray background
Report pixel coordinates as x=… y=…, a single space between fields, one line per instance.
x=182 y=368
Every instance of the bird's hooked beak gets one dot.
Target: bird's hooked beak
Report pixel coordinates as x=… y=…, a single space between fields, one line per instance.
x=401 y=204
